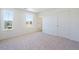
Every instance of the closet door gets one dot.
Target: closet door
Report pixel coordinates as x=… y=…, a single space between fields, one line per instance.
x=75 y=24
x=50 y=25
x=64 y=24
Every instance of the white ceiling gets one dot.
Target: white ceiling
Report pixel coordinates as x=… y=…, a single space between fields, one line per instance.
x=37 y=10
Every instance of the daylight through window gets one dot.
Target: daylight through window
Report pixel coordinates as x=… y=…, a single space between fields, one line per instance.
x=8 y=18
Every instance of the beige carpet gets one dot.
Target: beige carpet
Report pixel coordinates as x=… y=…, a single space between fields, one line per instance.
x=38 y=41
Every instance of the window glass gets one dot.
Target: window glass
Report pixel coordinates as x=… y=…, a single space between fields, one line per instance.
x=29 y=19
x=8 y=18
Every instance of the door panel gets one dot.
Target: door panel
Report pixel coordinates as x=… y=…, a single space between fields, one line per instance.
x=64 y=24
x=50 y=25
x=75 y=25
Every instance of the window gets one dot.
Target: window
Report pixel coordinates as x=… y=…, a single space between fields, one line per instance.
x=7 y=17
x=29 y=19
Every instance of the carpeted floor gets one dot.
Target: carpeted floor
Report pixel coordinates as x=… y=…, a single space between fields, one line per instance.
x=38 y=41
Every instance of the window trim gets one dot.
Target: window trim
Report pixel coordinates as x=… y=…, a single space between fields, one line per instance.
x=3 y=21
x=27 y=21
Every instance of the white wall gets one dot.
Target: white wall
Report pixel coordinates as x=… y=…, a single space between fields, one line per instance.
x=19 y=25
x=67 y=24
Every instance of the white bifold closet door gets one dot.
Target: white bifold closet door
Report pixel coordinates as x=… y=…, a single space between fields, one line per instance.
x=50 y=25
x=74 y=16
x=64 y=23
x=68 y=24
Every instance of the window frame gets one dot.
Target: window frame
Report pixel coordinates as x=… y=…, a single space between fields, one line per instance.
x=29 y=22
x=3 y=21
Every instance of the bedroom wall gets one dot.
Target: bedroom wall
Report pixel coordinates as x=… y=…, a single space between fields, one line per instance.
x=62 y=22
x=19 y=25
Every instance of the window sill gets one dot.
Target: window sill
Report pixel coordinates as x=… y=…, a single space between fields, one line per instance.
x=8 y=29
